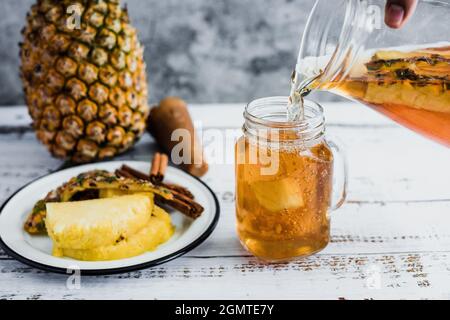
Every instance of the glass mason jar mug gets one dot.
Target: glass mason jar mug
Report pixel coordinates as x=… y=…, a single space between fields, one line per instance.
x=284 y=181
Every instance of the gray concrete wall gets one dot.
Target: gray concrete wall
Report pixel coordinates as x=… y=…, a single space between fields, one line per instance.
x=202 y=50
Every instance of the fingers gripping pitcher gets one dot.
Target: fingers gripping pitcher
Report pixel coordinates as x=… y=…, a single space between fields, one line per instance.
x=284 y=181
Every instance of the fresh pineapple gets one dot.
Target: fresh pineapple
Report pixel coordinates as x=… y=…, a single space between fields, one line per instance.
x=77 y=225
x=406 y=65
x=87 y=186
x=85 y=83
x=418 y=79
x=158 y=230
x=278 y=195
x=107 y=229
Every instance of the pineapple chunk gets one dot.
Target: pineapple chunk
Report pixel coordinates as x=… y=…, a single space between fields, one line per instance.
x=112 y=193
x=430 y=97
x=158 y=230
x=395 y=54
x=96 y=223
x=442 y=52
x=418 y=63
x=108 y=184
x=278 y=195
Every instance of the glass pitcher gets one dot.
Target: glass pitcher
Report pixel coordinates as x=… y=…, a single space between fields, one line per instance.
x=403 y=73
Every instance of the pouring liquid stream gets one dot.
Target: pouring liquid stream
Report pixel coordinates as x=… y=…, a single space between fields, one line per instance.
x=295 y=108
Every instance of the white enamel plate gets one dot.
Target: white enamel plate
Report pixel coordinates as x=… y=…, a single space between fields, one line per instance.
x=36 y=250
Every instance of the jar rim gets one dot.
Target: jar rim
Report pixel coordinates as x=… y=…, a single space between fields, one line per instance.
x=313 y=113
x=271 y=113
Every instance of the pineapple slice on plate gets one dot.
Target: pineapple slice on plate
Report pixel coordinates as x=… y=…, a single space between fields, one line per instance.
x=89 y=185
x=97 y=223
x=158 y=230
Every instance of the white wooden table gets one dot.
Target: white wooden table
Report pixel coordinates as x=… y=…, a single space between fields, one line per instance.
x=390 y=240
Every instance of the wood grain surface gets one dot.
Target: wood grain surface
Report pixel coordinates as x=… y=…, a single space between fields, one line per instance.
x=390 y=240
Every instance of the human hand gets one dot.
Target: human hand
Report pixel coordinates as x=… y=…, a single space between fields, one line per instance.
x=398 y=12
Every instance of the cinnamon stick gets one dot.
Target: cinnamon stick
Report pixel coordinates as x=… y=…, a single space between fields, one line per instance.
x=159 y=165
x=180 y=189
x=184 y=204
x=164 y=162
x=183 y=199
x=190 y=209
x=124 y=174
x=133 y=173
x=154 y=169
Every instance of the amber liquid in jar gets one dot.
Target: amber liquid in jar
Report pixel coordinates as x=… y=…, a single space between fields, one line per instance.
x=283 y=215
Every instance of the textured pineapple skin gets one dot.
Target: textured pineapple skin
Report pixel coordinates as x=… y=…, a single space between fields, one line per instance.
x=85 y=85
x=107 y=184
x=419 y=79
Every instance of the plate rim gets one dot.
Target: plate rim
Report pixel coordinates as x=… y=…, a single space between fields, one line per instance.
x=101 y=272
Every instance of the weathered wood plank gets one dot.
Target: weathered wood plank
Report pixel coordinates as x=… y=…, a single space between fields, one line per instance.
x=230 y=115
x=14 y=116
x=357 y=276
x=22 y=160
x=384 y=165
x=388 y=194
x=381 y=168
x=394 y=222
x=356 y=228
x=360 y=228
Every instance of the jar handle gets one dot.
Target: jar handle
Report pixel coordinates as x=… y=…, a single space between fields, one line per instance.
x=340 y=174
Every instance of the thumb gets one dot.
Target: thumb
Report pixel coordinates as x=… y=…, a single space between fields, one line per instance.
x=398 y=12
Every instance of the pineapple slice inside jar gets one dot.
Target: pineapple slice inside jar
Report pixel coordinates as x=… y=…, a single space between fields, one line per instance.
x=278 y=195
